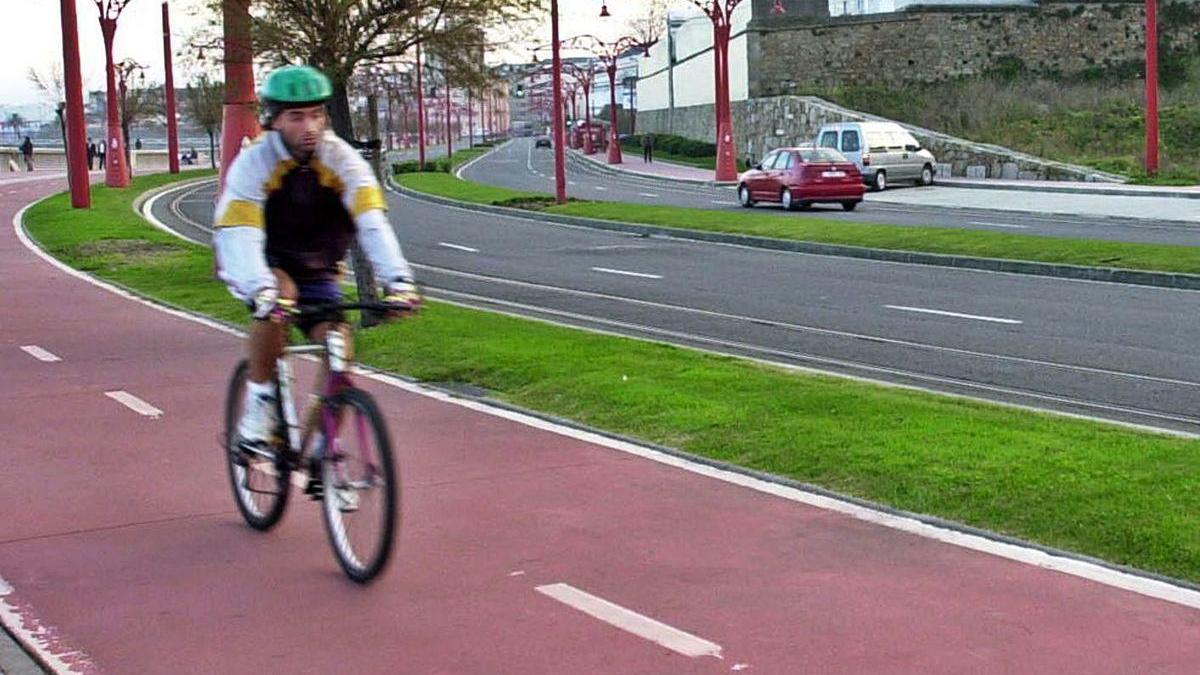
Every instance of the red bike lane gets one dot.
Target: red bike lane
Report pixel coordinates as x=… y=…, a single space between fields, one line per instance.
x=121 y=551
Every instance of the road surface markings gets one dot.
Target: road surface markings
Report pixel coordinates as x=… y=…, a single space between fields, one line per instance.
x=40 y=354
x=957 y=315
x=601 y=188
x=632 y=622
x=722 y=201
x=134 y=403
x=647 y=194
x=457 y=247
x=1007 y=225
x=626 y=273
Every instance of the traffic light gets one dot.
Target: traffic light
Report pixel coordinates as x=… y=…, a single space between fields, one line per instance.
x=520 y=91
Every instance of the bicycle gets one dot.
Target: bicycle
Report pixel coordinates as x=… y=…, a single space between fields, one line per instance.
x=340 y=474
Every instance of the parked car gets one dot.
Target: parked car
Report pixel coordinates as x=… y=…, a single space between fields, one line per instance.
x=542 y=142
x=884 y=152
x=797 y=178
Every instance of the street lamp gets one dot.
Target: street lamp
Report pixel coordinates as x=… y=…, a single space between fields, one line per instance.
x=610 y=54
x=125 y=70
x=116 y=168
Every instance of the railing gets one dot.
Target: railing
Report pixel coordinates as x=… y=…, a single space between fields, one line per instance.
x=146 y=161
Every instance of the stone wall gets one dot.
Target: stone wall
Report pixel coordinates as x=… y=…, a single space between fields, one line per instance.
x=767 y=123
x=933 y=43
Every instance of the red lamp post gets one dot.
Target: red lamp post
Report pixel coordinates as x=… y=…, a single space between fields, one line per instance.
x=77 y=174
x=169 y=94
x=116 y=170
x=1152 y=87
x=420 y=113
x=720 y=12
x=610 y=54
x=240 y=111
x=586 y=77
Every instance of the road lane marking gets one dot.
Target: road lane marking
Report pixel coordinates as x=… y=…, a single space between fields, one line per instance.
x=957 y=315
x=820 y=331
x=457 y=247
x=640 y=275
x=601 y=188
x=722 y=201
x=1007 y=225
x=134 y=403
x=40 y=354
x=630 y=621
x=647 y=194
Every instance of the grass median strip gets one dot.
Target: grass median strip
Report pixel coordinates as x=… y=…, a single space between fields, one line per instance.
x=947 y=241
x=1129 y=497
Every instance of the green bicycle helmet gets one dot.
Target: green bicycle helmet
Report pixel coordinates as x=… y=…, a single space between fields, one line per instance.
x=294 y=87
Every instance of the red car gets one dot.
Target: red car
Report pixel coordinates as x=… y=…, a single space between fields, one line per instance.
x=797 y=178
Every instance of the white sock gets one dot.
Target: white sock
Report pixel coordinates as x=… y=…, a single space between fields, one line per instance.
x=256 y=389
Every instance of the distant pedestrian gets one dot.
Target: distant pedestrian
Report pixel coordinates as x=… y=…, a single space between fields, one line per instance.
x=137 y=145
x=27 y=152
x=647 y=148
x=91 y=153
x=102 y=152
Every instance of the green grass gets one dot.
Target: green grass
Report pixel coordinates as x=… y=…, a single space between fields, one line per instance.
x=780 y=225
x=1129 y=497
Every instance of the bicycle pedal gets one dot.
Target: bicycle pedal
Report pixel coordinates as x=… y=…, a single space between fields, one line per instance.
x=315 y=489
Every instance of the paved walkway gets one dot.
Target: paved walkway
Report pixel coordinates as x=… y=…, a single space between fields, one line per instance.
x=631 y=162
x=1100 y=200
x=525 y=547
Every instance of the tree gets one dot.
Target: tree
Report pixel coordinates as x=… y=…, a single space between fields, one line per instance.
x=137 y=104
x=16 y=122
x=648 y=26
x=204 y=100
x=53 y=90
x=338 y=36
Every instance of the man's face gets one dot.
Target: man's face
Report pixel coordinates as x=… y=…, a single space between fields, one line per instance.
x=301 y=128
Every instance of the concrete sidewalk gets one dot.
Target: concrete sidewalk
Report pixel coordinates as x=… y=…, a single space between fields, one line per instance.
x=1089 y=200
x=631 y=162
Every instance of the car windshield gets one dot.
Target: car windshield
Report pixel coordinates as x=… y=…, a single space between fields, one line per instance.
x=821 y=155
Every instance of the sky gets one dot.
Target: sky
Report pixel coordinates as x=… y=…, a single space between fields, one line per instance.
x=33 y=38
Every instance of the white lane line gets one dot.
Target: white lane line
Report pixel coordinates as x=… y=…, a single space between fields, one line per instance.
x=957 y=315
x=457 y=247
x=1006 y=225
x=601 y=188
x=647 y=194
x=134 y=403
x=722 y=201
x=40 y=354
x=632 y=622
x=640 y=275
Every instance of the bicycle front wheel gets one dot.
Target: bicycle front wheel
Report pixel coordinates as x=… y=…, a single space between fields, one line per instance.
x=360 y=498
x=260 y=482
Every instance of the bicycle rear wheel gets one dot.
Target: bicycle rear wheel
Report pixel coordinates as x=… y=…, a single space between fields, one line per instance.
x=360 y=499
x=261 y=482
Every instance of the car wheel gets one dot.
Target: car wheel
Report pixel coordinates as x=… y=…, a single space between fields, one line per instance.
x=744 y=197
x=927 y=175
x=879 y=184
x=849 y=206
x=786 y=199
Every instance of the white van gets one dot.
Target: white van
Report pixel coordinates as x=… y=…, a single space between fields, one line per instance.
x=884 y=152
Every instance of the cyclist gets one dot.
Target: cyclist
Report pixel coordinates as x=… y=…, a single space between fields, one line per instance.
x=293 y=202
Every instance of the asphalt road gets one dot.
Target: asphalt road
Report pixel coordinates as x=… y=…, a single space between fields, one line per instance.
x=520 y=166
x=1107 y=350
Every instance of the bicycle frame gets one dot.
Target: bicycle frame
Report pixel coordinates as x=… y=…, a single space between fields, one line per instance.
x=338 y=379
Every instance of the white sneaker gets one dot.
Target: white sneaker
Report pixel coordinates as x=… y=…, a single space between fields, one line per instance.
x=259 y=419
x=347 y=499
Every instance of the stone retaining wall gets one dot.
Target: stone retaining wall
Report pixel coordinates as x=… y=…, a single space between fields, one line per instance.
x=767 y=123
